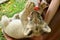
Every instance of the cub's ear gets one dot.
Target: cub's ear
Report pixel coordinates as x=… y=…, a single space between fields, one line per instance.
x=16 y=16
x=44 y=4
x=46 y=29
x=5 y=20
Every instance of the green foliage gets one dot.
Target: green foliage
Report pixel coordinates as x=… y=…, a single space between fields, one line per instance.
x=1 y=36
x=10 y=8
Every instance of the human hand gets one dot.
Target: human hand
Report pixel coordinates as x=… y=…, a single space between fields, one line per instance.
x=37 y=37
x=7 y=37
x=32 y=38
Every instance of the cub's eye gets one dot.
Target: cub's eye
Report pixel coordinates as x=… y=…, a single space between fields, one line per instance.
x=3 y=1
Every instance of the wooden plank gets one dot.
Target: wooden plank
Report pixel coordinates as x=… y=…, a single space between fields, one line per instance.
x=55 y=26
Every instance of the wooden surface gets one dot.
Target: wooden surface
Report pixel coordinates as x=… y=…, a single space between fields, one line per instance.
x=55 y=26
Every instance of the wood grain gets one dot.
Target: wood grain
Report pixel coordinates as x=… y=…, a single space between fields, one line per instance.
x=55 y=26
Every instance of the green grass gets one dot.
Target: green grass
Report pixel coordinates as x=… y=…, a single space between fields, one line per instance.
x=1 y=36
x=10 y=8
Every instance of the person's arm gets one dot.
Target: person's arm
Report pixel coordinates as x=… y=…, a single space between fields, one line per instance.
x=51 y=10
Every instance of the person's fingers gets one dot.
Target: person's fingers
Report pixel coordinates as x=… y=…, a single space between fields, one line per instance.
x=37 y=38
x=8 y=38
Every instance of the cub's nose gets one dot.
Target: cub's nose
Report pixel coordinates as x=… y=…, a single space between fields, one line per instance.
x=46 y=29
